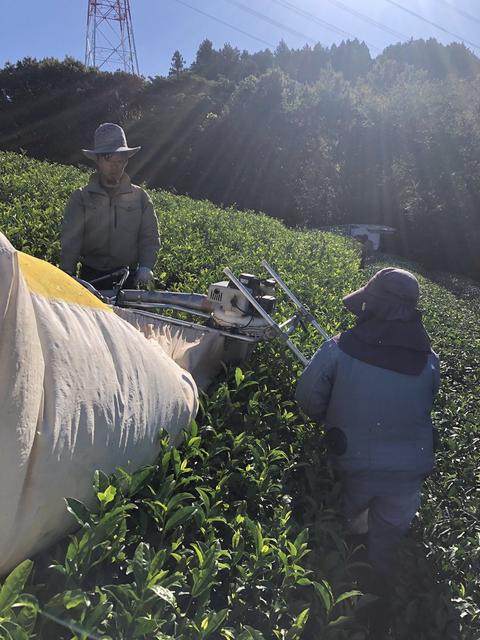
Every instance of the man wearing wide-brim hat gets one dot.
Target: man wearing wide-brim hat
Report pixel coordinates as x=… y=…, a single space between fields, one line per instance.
x=109 y=223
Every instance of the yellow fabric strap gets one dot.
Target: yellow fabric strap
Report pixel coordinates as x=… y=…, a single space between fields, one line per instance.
x=50 y=282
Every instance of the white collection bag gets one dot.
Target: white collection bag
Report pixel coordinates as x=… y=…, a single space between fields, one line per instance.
x=80 y=390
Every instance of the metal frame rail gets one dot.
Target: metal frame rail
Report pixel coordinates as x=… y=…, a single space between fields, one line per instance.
x=194 y=325
x=304 y=312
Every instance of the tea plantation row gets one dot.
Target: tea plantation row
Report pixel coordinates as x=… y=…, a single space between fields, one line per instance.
x=238 y=533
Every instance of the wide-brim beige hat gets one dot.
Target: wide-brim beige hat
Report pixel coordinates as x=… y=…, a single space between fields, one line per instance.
x=109 y=138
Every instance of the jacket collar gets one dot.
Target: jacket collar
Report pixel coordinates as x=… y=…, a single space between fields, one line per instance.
x=403 y=347
x=94 y=185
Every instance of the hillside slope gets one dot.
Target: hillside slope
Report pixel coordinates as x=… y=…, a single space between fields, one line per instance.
x=238 y=533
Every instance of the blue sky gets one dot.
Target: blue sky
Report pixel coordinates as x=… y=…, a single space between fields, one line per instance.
x=41 y=28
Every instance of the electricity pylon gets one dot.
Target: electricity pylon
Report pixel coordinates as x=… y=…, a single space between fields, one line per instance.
x=110 y=44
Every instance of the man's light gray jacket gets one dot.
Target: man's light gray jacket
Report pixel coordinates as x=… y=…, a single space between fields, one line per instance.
x=384 y=415
x=106 y=232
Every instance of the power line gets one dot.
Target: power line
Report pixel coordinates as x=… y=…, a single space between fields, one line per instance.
x=275 y=23
x=227 y=24
x=319 y=21
x=460 y=11
x=433 y=24
x=368 y=20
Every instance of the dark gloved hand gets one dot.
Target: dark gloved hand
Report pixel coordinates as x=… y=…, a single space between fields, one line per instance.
x=143 y=275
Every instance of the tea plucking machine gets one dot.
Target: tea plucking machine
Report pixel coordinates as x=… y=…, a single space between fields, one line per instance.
x=239 y=308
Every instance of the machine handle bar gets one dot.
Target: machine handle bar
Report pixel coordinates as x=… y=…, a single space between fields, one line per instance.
x=303 y=310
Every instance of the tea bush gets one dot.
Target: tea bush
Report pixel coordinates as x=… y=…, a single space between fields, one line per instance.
x=237 y=533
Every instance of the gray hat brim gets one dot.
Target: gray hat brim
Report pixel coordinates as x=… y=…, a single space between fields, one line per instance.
x=92 y=154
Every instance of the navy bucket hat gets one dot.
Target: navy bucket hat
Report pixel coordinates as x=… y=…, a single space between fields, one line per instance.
x=391 y=294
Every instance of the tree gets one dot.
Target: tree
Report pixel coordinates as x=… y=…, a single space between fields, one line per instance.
x=177 y=65
x=283 y=56
x=351 y=58
x=437 y=59
x=229 y=61
x=207 y=61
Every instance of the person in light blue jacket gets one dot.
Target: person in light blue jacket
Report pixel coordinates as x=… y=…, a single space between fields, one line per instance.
x=373 y=386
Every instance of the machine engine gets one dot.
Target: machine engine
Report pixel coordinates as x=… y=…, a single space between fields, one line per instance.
x=233 y=310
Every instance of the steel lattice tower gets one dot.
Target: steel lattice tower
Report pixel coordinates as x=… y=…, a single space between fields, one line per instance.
x=110 y=44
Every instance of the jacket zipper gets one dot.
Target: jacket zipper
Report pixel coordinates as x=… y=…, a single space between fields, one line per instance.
x=115 y=216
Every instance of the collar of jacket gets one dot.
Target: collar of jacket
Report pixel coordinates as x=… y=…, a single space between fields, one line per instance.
x=94 y=185
x=400 y=346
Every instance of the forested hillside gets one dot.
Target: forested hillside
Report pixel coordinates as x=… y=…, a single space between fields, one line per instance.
x=238 y=533
x=315 y=136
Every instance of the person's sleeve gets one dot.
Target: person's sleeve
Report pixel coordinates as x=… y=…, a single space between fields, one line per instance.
x=315 y=384
x=148 y=237
x=71 y=233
